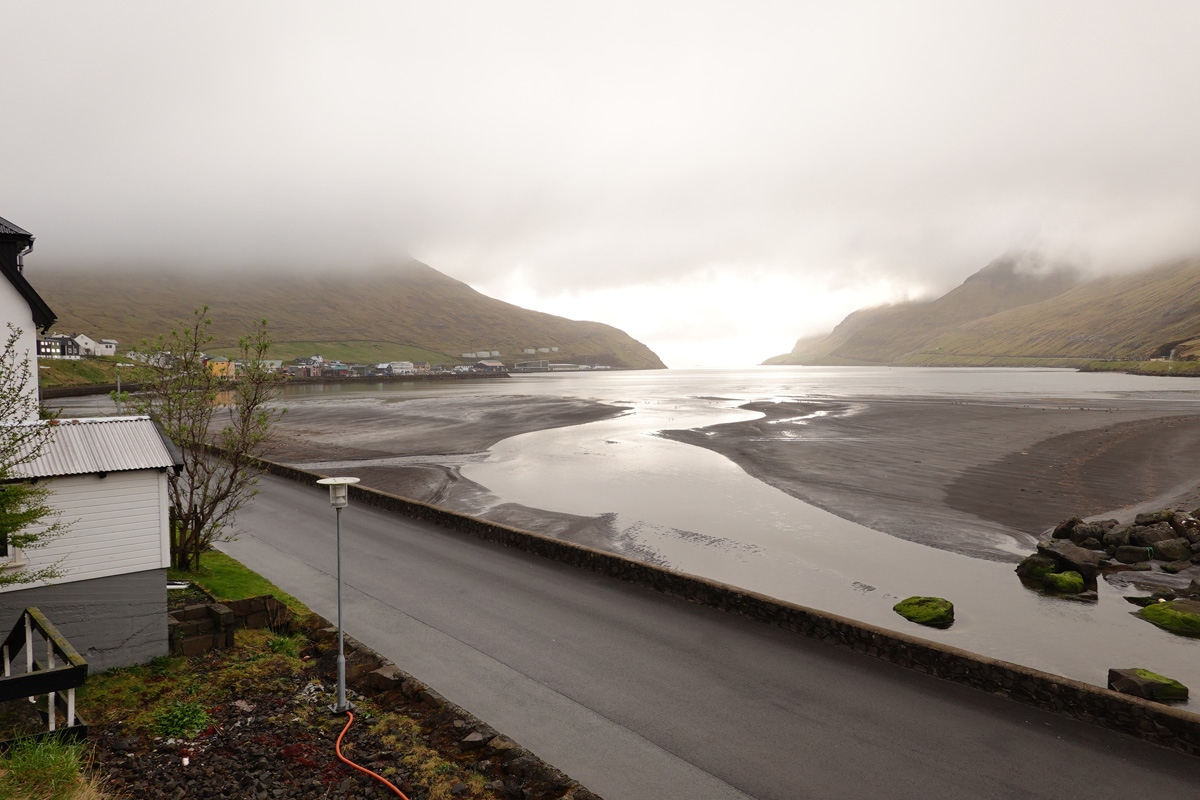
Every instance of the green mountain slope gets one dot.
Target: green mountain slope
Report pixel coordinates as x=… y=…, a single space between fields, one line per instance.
x=405 y=309
x=1126 y=317
x=891 y=333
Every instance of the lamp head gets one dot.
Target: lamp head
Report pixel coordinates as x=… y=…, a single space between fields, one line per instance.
x=339 y=490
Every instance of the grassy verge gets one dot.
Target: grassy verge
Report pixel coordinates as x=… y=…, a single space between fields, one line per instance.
x=228 y=579
x=84 y=372
x=48 y=769
x=1182 y=368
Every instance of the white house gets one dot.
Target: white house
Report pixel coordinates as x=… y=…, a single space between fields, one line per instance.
x=108 y=482
x=90 y=347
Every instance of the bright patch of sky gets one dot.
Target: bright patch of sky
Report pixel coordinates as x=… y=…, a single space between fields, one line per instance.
x=715 y=178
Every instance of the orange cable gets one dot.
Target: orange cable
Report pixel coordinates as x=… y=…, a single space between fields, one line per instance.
x=338 y=748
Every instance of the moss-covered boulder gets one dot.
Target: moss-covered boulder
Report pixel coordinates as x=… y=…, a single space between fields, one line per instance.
x=1063 y=582
x=1033 y=567
x=1178 y=616
x=932 y=611
x=1146 y=684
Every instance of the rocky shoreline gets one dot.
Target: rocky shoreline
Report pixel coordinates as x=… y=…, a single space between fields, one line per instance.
x=1156 y=545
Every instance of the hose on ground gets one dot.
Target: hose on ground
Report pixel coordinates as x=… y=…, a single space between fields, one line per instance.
x=338 y=748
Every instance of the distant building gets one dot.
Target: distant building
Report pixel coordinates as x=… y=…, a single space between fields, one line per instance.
x=531 y=366
x=221 y=367
x=489 y=366
x=529 y=350
x=421 y=367
x=58 y=347
x=402 y=367
x=543 y=349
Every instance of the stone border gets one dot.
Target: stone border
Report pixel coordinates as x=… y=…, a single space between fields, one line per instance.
x=1144 y=719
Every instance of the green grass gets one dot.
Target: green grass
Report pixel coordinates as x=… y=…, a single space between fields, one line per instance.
x=45 y=768
x=85 y=371
x=1145 y=367
x=228 y=579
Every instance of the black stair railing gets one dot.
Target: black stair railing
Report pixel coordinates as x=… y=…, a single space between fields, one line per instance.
x=63 y=671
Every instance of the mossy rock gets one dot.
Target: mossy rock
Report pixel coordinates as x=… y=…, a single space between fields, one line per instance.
x=1166 y=688
x=1033 y=567
x=1146 y=684
x=1178 y=616
x=1063 y=582
x=932 y=611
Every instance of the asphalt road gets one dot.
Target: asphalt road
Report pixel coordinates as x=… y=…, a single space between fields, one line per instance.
x=644 y=697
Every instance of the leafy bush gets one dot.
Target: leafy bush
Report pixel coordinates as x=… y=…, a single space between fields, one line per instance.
x=180 y=720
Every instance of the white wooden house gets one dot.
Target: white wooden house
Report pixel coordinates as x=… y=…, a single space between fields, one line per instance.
x=108 y=481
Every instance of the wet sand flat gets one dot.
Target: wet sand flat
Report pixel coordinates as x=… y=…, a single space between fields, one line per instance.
x=982 y=479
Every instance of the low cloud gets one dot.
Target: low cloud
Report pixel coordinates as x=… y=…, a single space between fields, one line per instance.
x=560 y=153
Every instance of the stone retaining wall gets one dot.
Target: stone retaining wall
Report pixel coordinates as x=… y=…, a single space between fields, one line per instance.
x=1144 y=719
x=209 y=626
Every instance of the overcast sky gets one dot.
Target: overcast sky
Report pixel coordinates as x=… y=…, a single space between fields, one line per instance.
x=714 y=178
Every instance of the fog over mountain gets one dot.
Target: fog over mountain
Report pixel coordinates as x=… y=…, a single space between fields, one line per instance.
x=715 y=179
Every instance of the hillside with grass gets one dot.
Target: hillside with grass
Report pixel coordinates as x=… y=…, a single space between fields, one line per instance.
x=407 y=311
x=1008 y=314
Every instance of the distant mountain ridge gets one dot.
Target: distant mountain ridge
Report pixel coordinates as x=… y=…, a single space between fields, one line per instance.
x=408 y=305
x=1016 y=308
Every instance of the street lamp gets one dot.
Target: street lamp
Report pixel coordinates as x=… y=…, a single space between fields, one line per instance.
x=119 y=365
x=339 y=498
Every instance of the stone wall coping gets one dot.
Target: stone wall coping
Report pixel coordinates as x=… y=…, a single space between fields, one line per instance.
x=1083 y=701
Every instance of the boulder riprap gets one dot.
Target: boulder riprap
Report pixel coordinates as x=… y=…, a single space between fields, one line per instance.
x=1176 y=616
x=1146 y=684
x=1160 y=542
x=932 y=611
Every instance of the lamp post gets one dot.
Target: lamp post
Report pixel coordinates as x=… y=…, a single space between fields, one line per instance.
x=339 y=498
x=119 y=365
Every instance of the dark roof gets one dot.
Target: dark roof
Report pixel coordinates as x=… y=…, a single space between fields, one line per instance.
x=8 y=228
x=43 y=317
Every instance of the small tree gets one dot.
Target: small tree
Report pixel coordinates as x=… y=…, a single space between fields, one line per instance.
x=24 y=505
x=199 y=410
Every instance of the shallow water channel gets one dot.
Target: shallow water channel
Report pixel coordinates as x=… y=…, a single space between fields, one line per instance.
x=700 y=513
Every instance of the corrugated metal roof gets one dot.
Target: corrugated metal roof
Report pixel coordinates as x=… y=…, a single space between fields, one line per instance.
x=99 y=444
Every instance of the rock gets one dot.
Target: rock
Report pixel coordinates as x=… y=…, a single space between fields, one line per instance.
x=1153 y=517
x=1193 y=589
x=1063 y=529
x=1073 y=558
x=1117 y=536
x=1183 y=523
x=1128 y=554
x=1146 y=536
x=1033 y=567
x=458 y=789
x=1177 y=616
x=1161 y=594
x=1063 y=582
x=1177 y=566
x=932 y=611
x=1146 y=684
x=473 y=741
x=1088 y=530
x=1092 y=543
x=1172 y=550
